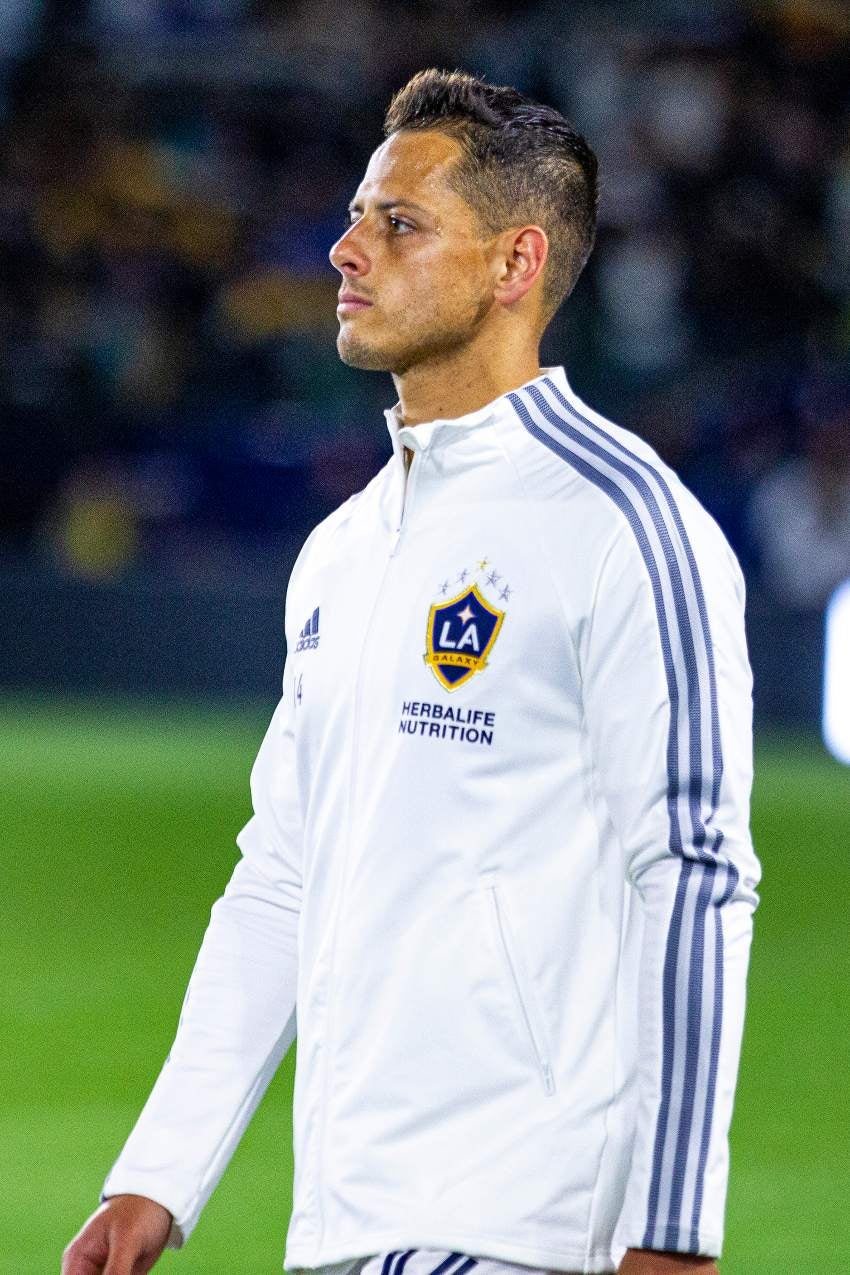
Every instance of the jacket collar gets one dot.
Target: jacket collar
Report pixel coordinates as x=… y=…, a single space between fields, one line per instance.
x=420 y=437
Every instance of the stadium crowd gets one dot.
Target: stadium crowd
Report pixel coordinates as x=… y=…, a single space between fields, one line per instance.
x=173 y=173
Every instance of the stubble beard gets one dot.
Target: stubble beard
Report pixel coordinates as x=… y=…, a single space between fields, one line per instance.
x=400 y=356
x=355 y=352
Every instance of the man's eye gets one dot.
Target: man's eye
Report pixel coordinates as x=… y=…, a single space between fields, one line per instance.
x=399 y=226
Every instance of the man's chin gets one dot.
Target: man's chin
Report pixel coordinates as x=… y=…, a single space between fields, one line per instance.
x=361 y=354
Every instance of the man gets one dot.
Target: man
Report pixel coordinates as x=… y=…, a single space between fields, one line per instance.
x=499 y=856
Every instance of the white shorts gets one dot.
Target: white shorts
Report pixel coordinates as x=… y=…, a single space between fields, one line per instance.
x=431 y=1261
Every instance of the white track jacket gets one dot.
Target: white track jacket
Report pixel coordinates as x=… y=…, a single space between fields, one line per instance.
x=499 y=862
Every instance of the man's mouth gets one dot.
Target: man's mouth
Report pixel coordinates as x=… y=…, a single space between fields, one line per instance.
x=351 y=302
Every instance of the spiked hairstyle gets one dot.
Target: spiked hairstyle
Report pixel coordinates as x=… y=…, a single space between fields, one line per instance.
x=522 y=163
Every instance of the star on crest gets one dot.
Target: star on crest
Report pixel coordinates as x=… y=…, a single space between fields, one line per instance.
x=444 y=588
x=493 y=577
x=505 y=594
x=466 y=614
x=463 y=576
x=485 y=562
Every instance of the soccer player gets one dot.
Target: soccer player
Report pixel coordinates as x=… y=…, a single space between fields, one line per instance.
x=499 y=858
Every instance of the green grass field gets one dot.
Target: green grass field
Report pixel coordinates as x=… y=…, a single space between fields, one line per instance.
x=118 y=827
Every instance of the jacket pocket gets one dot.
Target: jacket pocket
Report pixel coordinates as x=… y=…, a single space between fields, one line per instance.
x=530 y=1014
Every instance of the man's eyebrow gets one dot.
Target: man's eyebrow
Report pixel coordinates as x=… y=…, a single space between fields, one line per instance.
x=386 y=204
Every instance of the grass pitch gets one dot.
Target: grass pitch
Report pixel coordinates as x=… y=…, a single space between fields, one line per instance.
x=118 y=827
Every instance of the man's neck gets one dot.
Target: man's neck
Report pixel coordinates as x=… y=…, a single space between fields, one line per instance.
x=441 y=392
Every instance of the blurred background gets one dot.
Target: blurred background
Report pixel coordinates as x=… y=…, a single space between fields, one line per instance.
x=174 y=420
x=174 y=415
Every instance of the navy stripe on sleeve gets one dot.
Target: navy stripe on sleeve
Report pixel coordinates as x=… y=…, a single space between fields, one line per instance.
x=692 y=989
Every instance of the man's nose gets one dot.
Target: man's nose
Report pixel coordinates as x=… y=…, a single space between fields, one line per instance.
x=348 y=255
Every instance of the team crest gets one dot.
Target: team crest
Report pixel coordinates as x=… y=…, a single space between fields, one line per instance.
x=460 y=636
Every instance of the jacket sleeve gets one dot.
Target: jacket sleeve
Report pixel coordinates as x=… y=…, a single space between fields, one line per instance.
x=238 y=1017
x=667 y=692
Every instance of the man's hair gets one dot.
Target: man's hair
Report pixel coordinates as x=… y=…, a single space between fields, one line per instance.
x=522 y=163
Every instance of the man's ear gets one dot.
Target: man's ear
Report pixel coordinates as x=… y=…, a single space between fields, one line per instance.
x=522 y=259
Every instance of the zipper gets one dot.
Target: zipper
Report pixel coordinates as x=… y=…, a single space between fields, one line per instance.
x=527 y=1003
x=407 y=497
x=352 y=786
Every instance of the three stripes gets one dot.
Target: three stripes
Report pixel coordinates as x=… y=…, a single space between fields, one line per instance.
x=693 y=968
x=311 y=628
x=454 y=1264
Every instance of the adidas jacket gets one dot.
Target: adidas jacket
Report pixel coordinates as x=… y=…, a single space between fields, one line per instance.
x=499 y=861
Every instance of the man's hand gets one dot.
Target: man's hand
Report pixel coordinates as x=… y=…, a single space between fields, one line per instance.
x=644 y=1261
x=125 y=1236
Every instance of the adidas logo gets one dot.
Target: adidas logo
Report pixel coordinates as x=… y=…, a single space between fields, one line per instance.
x=308 y=638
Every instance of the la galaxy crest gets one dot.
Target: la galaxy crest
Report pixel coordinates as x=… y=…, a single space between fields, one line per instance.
x=462 y=630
